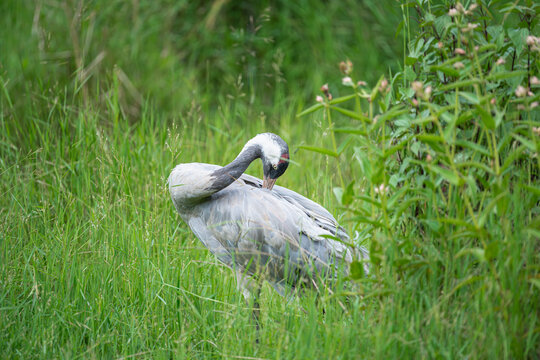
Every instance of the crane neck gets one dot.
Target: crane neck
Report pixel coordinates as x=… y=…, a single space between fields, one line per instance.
x=231 y=172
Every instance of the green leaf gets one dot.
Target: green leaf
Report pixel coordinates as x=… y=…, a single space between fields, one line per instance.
x=447 y=174
x=473 y=146
x=429 y=138
x=391 y=150
x=310 y=110
x=506 y=75
x=459 y=222
x=476 y=164
x=532 y=189
x=375 y=90
x=510 y=158
x=492 y=250
x=448 y=70
x=353 y=131
x=341 y=99
x=459 y=84
x=351 y=114
x=528 y=143
x=338 y=192
x=535 y=282
x=488 y=210
x=486 y=117
x=409 y=74
x=434 y=141
x=366 y=220
x=469 y=97
x=397 y=196
x=344 y=145
x=369 y=200
x=319 y=150
x=345 y=197
x=348 y=194
x=519 y=39
x=357 y=270
x=467 y=281
x=477 y=252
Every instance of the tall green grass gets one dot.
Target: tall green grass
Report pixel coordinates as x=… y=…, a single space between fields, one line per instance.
x=95 y=263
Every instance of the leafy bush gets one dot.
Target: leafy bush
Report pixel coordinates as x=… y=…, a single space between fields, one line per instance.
x=439 y=164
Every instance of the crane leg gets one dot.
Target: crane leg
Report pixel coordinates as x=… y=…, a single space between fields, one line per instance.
x=251 y=290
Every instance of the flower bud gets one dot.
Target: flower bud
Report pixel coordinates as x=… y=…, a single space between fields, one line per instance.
x=459 y=51
x=347 y=81
x=384 y=85
x=453 y=12
x=469 y=27
x=459 y=65
x=531 y=40
x=535 y=81
x=417 y=86
x=428 y=91
x=500 y=61
x=521 y=91
x=319 y=99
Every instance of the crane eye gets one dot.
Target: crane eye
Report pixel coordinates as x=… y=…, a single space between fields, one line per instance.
x=274 y=166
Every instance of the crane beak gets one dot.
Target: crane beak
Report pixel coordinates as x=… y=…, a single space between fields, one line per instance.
x=268 y=183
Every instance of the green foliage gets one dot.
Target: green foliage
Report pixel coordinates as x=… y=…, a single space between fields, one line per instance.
x=436 y=170
x=444 y=167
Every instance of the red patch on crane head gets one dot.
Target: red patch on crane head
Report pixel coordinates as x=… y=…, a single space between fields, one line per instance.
x=283 y=157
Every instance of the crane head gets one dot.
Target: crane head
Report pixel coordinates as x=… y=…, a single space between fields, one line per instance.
x=275 y=158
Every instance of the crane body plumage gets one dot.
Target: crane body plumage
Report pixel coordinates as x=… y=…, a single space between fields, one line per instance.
x=276 y=235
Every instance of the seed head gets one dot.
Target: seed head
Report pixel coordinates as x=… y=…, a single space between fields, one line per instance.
x=460 y=51
x=459 y=65
x=346 y=67
x=453 y=12
x=535 y=81
x=361 y=83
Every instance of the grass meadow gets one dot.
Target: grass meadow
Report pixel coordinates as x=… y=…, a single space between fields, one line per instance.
x=433 y=163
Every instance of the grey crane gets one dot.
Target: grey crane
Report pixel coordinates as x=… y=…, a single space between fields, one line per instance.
x=260 y=230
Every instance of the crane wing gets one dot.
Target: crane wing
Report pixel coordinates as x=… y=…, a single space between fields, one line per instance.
x=315 y=211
